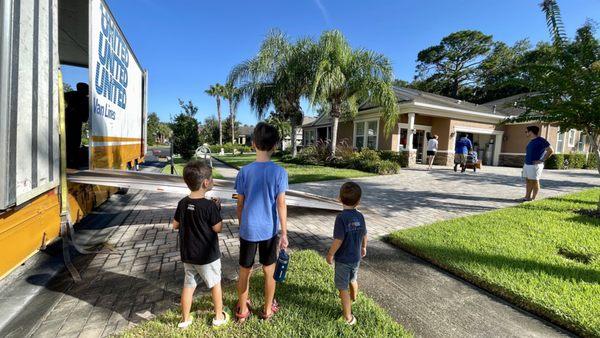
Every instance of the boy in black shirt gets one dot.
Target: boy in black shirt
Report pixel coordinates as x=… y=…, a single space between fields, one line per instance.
x=199 y=222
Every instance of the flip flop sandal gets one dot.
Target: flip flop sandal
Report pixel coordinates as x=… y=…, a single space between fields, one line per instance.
x=274 y=308
x=241 y=317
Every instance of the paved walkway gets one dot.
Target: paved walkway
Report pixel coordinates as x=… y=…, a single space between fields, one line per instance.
x=142 y=276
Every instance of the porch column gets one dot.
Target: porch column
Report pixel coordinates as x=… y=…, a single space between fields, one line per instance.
x=412 y=153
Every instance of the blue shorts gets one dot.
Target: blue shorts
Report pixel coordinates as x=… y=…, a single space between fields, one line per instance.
x=344 y=274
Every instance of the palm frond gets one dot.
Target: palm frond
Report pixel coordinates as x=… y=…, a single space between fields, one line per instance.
x=554 y=22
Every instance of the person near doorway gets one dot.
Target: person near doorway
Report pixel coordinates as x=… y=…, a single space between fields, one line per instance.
x=537 y=152
x=461 y=149
x=432 y=147
x=76 y=113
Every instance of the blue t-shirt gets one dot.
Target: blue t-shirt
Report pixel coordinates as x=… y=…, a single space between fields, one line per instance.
x=535 y=149
x=463 y=145
x=260 y=183
x=350 y=228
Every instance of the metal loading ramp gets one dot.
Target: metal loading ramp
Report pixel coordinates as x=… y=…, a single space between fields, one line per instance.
x=223 y=189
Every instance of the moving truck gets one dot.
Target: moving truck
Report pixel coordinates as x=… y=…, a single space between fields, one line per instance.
x=38 y=36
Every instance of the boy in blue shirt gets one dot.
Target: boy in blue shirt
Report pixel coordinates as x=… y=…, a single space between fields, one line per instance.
x=261 y=207
x=348 y=247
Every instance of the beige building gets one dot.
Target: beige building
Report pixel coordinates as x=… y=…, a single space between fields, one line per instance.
x=425 y=114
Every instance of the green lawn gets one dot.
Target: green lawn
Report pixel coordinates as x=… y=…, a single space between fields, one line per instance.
x=299 y=173
x=179 y=164
x=543 y=256
x=310 y=308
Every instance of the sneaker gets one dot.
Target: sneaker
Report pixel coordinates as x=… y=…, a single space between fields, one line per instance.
x=220 y=322
x=184 y=325
x=350 y=323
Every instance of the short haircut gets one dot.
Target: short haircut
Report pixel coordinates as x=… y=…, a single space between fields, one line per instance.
x=195 y=172
x=265 y=136
x=534 y=129
x=350 y=193
x=435 y=136
x=82 y=87
x=463 y=135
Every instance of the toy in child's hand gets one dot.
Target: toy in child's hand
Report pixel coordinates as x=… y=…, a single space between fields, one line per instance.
x=282 y=266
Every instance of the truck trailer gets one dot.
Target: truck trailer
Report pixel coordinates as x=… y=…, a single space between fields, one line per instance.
x=38 y=36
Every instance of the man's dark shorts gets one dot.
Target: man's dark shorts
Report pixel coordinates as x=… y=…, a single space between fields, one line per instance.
x=267 y=252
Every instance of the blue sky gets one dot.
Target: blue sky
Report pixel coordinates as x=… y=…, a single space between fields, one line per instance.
x=186 y=45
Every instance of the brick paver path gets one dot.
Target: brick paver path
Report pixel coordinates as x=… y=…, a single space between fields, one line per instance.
x=143 y=275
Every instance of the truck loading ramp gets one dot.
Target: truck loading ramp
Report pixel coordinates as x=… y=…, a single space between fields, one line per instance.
x=156 y=182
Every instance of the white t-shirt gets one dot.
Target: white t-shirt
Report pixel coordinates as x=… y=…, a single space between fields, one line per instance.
x=432 y=145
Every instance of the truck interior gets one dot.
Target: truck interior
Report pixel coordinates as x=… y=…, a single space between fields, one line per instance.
x=73 y=50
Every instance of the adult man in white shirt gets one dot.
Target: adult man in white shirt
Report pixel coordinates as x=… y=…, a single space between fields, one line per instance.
x=432 y=147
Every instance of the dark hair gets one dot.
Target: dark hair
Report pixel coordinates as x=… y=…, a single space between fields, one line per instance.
x=350 y=193
x=195 y=172
x=534 y=129
x=265 y=136
x=82 y=87
x=463 y=135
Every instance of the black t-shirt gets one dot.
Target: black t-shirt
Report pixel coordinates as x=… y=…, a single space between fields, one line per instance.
x=198 y=243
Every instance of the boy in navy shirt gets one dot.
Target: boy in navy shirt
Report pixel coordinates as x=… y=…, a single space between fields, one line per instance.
x=261 y=207
x=348 y=247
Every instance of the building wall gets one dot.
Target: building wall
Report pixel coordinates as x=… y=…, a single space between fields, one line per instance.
x=345 y=132
x=389 y=142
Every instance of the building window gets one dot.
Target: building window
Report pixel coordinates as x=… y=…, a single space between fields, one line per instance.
x=581 y=143
x=366 y=134
x=571 y=138
x=309 y=137
x=560 y=141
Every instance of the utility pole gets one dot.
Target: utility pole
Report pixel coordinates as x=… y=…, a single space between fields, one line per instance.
x=172 y=164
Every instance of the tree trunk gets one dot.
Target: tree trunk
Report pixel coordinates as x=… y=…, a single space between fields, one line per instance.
x=219 y=120
x=293 y=138
x=231 y=114
x=334 y=130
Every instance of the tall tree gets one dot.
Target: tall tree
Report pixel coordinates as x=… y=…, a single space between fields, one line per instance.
x=501 y=73
x=152 y=128
x=188 y=108
x=232 y=94
x=282 y=124
x=280 y=75
x=346 y=77
x=450 y=67
x=566 y=79
x=217 y=91
x=185 y=130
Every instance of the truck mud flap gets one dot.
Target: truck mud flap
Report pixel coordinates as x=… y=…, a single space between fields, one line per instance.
x=156 y=182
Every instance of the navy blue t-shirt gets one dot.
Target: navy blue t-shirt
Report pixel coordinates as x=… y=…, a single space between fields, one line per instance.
x=535 y=149
x=350 y=228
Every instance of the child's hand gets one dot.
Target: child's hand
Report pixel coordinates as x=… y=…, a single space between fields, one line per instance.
x=217 y=202
x=329 y=259
x=283 y=242
x=363 y=252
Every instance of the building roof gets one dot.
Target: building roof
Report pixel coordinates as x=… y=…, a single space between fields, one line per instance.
x=508 y=105
x=245 y=130
x=408 y=95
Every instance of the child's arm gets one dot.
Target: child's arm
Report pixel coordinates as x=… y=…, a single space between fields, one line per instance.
x=282 y=213
x=218 y=227
x=333 y=249
x=175 y=225
x=240 y=207
x=363 y=249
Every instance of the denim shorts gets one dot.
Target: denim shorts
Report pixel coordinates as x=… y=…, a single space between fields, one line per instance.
x=344 y=274
x=210 y=273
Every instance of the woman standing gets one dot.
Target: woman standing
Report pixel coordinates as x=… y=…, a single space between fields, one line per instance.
x=432 y=147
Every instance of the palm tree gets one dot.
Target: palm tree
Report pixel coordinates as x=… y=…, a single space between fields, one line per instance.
x=347 y=77
x=232 y=95
x=280 y=76
x=217 y=91
x=283 y=126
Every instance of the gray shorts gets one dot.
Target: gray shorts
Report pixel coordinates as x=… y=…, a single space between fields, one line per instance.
x=344 y=274
x=210 y=273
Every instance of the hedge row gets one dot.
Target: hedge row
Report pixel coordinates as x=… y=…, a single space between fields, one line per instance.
x=229 y=148
x=572 y=161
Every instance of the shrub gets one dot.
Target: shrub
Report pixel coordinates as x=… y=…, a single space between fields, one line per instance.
x=592 y=161
x=388 y=168
x=398 y=157
x=229 y=147
x=566 y=161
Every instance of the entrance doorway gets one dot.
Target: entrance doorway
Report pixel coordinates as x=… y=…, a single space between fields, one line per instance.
x=419 y=140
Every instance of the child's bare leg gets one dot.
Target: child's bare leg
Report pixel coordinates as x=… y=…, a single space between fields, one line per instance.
x=353 y=290
x=243 y=287
x=346 y=305
x=217 y=298
x=269 y=270
x=187 y=296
